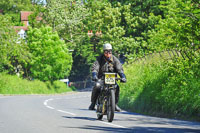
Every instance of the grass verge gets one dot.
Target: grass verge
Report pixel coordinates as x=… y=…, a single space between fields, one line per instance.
x=11 y=84
x=160 y=87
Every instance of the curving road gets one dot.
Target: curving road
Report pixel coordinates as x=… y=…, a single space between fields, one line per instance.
x=69 y=113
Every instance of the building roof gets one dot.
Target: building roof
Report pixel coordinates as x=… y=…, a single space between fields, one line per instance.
x=18 y=28
x=24 y=15
x=39 y=17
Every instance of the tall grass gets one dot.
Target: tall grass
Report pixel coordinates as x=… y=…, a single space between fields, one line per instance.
x=10 y=84
x=169 y=88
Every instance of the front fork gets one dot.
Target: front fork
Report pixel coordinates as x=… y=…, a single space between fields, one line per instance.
x=104 y=105
x=103 y=100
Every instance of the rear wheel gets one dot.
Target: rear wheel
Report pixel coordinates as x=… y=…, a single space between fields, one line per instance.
x=111 y=106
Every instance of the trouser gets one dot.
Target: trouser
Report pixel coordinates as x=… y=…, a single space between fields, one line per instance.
x=96 y=91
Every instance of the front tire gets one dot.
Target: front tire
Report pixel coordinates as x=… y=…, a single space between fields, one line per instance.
x=111 y=106
x=99 y=110
x=99 y=116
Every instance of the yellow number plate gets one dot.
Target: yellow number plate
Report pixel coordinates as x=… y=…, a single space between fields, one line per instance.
x=110 y=78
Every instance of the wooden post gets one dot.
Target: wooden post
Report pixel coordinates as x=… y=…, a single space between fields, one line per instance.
x=177 y=52
x=169 y=53
x=182 y=55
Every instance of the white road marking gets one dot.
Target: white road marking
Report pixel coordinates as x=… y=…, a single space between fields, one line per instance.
x=46 y=104
x=112 y=124
x=66 y=112
x=50 y=107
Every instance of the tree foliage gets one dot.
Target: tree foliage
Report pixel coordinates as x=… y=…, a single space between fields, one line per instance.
x=124 y=24
x=66 y=17
x=179 y=28
x=12 y=9
x=15 y=6
x=83 y=58
x=70 y=20
x=14 y=52
x=50 y=59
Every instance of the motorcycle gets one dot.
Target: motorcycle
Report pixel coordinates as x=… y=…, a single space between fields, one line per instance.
x=106 y=99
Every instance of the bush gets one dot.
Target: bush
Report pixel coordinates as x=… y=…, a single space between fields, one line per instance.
x=60 y=87
x=166 y=88
x=50 y=58
x=11 y=84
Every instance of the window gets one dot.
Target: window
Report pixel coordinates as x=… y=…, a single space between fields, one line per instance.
x=22 y=34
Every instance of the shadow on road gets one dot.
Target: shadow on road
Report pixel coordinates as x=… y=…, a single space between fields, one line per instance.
x=157 y=120
x=142 y=120
x=80 y=118
x=137 y=129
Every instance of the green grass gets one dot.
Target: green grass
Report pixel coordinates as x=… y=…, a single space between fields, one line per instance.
x=11 y=84
x=160 y=87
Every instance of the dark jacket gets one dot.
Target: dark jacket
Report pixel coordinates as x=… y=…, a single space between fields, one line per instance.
x=102 y=65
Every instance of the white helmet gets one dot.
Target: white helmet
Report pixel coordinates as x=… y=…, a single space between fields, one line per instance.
x=107 y=46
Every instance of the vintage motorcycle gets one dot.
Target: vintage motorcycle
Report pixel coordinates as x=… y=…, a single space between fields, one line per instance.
x=106 y=99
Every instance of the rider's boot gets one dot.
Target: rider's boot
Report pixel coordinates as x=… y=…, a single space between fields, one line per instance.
x=117 y=108
x=92 y=105
x=93 y=98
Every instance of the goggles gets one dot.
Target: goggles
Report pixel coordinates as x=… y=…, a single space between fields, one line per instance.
x=107 y=51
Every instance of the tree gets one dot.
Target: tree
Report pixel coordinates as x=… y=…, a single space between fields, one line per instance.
x=36 y=18
x=124 y=24
x=50 y=59
x=83 y=58
x=14 y=53
x=15 y=6
x=67 y=17
x=107 y=19
x=180 y=26
x=12 y=8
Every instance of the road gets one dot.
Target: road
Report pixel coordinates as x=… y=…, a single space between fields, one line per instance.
x=68 y=113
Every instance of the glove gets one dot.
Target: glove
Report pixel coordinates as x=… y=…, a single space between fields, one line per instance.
x=94 y=76
x=123 y=77
x=123 y=80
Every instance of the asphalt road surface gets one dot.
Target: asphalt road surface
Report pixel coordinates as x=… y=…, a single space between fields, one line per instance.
x=68 y=113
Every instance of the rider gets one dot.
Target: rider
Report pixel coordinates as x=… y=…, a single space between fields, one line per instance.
x=106 y=63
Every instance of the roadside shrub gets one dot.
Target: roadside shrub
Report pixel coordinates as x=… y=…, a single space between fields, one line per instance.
x=11 y=84
x=164 y=88
x=50 y=58
x=60 y=87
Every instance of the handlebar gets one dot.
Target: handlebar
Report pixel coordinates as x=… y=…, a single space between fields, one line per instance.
x=118 y=79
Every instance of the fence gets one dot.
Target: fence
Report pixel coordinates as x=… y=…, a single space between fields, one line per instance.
x=82 y=84
x=167 y=54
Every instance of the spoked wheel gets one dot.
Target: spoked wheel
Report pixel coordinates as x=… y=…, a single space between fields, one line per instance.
x=111 y=106
x=99 y=110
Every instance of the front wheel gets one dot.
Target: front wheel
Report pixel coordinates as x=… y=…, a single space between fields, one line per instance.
x=99 y=109
x=99 y=116
x=111 y=106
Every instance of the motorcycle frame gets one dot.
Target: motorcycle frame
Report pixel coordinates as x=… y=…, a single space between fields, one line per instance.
x=105 y=92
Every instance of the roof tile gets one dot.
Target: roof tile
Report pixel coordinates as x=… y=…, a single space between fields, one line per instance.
x=24 y=15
